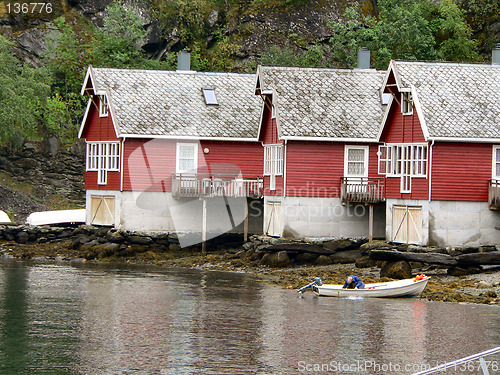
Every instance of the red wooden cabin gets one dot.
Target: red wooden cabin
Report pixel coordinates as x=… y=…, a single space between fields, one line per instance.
x=319 y=131
x=160 y=143
x=441 y=153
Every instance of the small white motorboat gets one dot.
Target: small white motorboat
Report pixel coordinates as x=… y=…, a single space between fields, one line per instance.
x=398 y=288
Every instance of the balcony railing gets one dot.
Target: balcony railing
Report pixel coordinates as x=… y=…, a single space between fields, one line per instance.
x=186 y=185
x=362 y=190
x=494 y=194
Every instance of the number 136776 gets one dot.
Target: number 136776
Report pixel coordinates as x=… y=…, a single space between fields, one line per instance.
x=28 y=7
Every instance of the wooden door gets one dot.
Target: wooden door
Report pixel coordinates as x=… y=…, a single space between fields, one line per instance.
x=273 y=224
x=102 y=210
x=407 y=224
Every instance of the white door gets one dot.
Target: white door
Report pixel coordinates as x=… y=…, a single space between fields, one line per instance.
x=102 y=210
x=273 y=222
x=407 y=224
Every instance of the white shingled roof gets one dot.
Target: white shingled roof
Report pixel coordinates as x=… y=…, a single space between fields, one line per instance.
x=153 y=103
x=333 y=104
x=455 y=100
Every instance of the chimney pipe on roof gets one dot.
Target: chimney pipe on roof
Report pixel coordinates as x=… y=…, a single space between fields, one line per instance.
x=183 y=60
x=495 y=55
x=364 y=58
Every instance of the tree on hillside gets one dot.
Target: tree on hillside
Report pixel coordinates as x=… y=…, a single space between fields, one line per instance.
x=119 y=43
x=22 y=99
x=408 y=30
x=453 y=34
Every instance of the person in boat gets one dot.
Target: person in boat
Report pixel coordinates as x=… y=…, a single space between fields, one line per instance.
x=353 y=282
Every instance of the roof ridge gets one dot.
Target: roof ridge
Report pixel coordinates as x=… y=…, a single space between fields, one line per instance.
x=316 y=69
x=175 y=72
x=446 y=63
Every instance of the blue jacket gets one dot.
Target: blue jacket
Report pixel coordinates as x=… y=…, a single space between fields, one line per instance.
x=356 y=282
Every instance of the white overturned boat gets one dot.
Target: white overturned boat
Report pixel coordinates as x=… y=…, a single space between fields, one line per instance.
x=4 y=218
x=399 y=288
x=57 y=217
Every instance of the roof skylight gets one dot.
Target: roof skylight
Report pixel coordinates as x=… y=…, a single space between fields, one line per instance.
x=209 y=95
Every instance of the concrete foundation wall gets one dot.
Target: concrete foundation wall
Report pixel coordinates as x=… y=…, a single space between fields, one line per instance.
x=325 y=217
x=452 y=223
x=455 y=223
x=158 y=211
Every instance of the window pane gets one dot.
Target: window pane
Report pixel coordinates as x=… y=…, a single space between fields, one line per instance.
x=355 y=154
x=186 y=152
x=186 y=164
x=209 y=95
x=356 y=168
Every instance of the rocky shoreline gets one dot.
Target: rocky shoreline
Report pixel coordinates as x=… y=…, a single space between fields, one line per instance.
x=288 y=263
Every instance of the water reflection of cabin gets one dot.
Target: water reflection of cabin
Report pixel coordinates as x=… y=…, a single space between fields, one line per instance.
x=161 y=145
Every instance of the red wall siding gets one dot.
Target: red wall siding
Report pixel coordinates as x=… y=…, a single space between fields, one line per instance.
x=419 y=188
x=246 y=158
x=460 y=171
x=149 y=164
x=100 y=129
x=269 y=130
x=113 y=181
x=373 y=161
x=402 y=129
x=314 y=169
x=269 y=135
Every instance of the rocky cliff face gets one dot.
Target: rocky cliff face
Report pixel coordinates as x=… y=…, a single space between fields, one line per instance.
x=252 y=27
x=41 y=177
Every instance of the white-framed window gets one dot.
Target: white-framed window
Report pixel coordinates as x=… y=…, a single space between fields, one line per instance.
x=186 y=157
x=273 y=163
x=406 y=103
x=356 y=161
x=103 y=157
x=273 y=160
x=103 y=106
x=496 y=163
x=209 y=95
x=403 y=160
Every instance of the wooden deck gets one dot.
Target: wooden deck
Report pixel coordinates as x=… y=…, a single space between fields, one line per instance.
x=362 y=190
x=494 y=194
x=208 y=186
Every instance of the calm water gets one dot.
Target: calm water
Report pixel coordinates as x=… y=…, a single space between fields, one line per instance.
x=88 y=319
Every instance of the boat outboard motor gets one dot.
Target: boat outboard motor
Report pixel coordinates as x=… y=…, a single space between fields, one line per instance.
x=317 y=281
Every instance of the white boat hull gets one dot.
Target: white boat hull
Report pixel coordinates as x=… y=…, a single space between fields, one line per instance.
x=399 y=288
x=56 y=217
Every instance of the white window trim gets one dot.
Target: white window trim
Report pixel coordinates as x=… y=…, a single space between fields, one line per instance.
x=273 y=159
x=407 y=103
x=195 y=156
x=495 y=161
x=103 y=106
x=273 y=108
x=346 y=161
x=273 y=163
x=404 y=160
x=418 y=159
x=103 y=157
